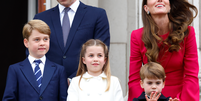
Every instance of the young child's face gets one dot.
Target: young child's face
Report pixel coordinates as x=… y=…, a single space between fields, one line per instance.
x=94 y=59
x=152 y=85
x=38 y=44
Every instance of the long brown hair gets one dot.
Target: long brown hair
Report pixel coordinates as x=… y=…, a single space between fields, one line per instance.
x=180 y=17
x=82 y=67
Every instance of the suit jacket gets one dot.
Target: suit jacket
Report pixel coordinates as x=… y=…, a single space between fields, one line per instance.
x=22 y=86
x=93 y=89
x=89 y=23
x=181 y=68
x=142 y=98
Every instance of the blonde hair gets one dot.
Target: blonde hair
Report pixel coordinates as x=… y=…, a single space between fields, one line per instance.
x=106 y=68
x=152 y=70
x=38 y=25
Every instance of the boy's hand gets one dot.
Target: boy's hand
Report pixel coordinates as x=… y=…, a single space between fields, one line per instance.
x=175 y=99
x=154 y=96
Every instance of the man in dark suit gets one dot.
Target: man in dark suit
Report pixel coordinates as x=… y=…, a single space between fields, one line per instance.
x=86 y=22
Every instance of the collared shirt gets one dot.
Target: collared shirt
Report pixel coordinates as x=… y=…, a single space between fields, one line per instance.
x=87 y=76
x=41 y=65
x=71 y=12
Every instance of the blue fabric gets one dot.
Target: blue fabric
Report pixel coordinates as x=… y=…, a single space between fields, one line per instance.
x=89 y=23
x=21 y=83
x=37 y=73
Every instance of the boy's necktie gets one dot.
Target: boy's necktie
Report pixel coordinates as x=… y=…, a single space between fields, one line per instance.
x=65 y=25
x=38 y=73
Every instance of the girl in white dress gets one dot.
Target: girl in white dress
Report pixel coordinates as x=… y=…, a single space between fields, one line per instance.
x=94 y=81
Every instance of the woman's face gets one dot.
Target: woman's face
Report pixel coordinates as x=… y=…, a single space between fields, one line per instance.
x=157 y=7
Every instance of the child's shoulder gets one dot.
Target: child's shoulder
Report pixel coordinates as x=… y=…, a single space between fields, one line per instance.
x=76 y=78
x=114 y=79
x=16 y=65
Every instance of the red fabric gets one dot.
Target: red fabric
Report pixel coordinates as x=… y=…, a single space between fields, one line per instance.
x=181 y=68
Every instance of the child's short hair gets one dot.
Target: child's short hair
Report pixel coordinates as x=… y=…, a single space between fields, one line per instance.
x=152 y=70
x=38 y=25
x=106 y=68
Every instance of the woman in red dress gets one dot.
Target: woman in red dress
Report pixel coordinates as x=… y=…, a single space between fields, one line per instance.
x=166 y=38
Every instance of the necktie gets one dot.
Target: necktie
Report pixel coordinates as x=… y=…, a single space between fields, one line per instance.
x=65 y=25
x=38 y=73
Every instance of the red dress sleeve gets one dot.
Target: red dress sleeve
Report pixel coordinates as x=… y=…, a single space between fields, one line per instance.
x=135 y=64
x=190 y=89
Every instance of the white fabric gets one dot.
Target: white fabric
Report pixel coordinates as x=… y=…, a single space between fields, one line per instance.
x=41 y=65
x=93 y=89
x=71 y=12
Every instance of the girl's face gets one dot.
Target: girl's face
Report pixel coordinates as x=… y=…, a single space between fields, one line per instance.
x=157 y=7
x=152 y=85
x=94 y=59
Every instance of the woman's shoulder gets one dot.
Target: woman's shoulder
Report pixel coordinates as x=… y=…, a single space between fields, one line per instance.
x=137 y=33
x=191 y=28
x=191 y=31
x=136 y=36
x=138 y=30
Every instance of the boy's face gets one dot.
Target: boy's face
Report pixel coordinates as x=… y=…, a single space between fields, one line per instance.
x=152 y=85
x=38 y=44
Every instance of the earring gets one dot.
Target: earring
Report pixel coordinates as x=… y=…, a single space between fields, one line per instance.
x=148 y=12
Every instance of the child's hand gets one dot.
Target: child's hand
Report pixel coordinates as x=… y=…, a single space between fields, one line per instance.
x=154 y=96
x=175 y=99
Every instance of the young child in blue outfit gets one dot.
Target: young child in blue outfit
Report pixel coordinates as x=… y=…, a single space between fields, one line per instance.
x=153 y=81
x=36 y=78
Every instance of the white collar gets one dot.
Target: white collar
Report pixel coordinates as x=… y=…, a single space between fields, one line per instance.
x=31 y=59
x=88 y=76
x=73 y=7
